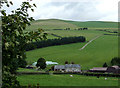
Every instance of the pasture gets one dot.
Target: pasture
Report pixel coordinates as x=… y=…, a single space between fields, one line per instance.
x=66 y=80
x=96 y=53
x=49 y=24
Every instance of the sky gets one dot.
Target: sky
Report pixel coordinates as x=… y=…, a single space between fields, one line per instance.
x=76 y=10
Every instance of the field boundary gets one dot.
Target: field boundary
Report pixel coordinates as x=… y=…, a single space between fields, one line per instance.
x=77 y=73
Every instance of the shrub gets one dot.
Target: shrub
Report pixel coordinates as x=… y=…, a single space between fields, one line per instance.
x=66 y=62
x=105 y=65
x=41 y=63
x=52 y=68
x=115 y=61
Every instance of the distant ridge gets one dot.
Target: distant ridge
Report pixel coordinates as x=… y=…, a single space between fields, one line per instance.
x=63 y=24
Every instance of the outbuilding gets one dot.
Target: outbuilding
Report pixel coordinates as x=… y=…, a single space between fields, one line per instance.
x=98 y=69
x=113 y=69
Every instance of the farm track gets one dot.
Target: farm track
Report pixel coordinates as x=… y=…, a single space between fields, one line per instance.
x=90 y=42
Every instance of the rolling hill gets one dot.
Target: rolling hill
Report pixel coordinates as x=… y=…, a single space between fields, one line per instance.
x=62 y=24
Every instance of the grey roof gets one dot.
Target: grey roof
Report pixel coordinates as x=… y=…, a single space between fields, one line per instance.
x=72 y=66
x=99 y=68
x=116 y=67
x=67 y=66
x=59 y=67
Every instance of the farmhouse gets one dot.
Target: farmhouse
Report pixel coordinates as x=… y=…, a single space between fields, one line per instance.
x=59 y=68
x=68 y=68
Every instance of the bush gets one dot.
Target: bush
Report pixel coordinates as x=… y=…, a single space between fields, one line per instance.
x=22 y=63
x=72 y=63
x=105 y=65
x=41 y=63
x=115 y=61
x=52 y=68
x=66 y=62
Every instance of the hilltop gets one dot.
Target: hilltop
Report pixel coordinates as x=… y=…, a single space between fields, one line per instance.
x=62 y=24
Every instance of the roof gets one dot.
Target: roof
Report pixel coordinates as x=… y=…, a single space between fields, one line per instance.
x=99 y=68
x=59 y=67
x=67 y=66
x=72 y=66
x=116 y=67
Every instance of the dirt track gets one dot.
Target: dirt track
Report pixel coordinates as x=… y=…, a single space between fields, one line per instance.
x=90 y=42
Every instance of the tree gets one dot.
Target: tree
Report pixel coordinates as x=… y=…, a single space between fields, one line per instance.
x=115 y=61
x=52 y=68
x=41 y=63
x=72 y=63
x=14 y=41
x=66 y=62
x=105 y=65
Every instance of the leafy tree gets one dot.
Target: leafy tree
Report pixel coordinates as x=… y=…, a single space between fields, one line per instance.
x=66 y=62
x=14 y=41
x=52 y=68
x=41 y=63
x=115 y=61
x=105 y=65
x=72 y=63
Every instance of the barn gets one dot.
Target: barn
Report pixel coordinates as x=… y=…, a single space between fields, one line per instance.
x=113 y=69
x=98 y=69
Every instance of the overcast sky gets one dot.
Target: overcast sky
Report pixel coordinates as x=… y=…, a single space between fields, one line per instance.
x=77 y=10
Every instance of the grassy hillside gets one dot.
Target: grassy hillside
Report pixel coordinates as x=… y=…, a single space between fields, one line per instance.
x=89 y=34
x=50 y=24
x=96 y=53
x=62 y=24
x=95 y=24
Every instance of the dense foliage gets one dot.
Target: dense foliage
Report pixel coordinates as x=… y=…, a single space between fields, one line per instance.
x=41 y=63
x=115 y=61
x=14 y=41
x=53 y=42
x=105 y=65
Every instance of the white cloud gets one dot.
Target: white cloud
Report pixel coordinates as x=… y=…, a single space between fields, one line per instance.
x=80 y=10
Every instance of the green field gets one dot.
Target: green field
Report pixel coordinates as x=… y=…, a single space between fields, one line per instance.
x=66 y=80
x=95 y=54
x=62 y=24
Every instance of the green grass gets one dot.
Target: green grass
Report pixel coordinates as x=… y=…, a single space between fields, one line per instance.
x=62 y=24
x=89 y=34
x=66 y=80
x=50 y=24
x=101 y=50
x=29 y=70
x=96 y=53
x=95 y=24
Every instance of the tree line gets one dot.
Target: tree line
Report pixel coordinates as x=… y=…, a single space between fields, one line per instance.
x=53 y=42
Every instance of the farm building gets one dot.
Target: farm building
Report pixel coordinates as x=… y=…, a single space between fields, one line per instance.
x=68 y=68
x=113 y=69
x=59 y=68
x=98 y=69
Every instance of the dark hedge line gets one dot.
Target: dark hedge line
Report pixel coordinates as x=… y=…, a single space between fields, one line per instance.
x=53 y=42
